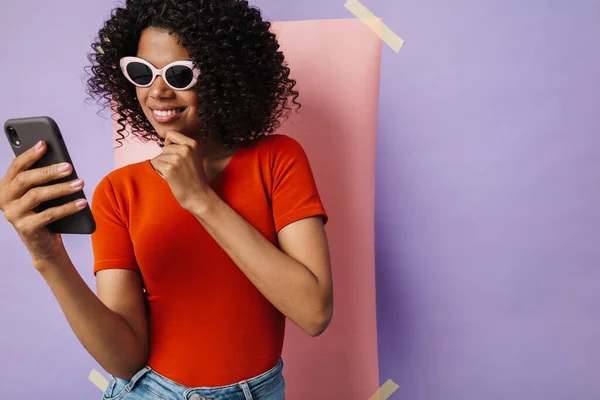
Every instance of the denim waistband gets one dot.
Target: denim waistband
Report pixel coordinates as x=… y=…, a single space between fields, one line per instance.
x=253 y=388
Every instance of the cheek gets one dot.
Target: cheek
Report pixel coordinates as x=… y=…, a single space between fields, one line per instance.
x=141 y=94
x=189 y=98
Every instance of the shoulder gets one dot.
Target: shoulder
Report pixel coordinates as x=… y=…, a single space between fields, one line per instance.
x=128 y=173
x=281 y=142
x=119 y=182
x=277 y=148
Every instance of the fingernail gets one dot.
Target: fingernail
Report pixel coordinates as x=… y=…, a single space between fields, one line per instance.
x=81 y=203
x=39 y=145
x=77 y=184
x=64 y=167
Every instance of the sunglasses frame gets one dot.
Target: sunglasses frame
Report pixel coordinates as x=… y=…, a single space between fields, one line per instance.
x=125 y=61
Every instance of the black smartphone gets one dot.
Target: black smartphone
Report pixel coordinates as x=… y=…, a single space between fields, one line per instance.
x=24 y=133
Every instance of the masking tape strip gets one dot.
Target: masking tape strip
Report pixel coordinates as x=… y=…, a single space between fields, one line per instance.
x=368 y=18
x=99 y=380
x=99 y=49
x=385 y=391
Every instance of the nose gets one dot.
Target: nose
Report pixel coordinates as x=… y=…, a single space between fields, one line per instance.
x=160 y=90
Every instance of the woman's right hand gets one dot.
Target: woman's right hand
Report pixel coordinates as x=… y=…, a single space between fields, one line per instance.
x=19 y=196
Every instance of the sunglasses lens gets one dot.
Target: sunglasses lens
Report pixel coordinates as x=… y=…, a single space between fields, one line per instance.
x=139 y=73
x=179 y=76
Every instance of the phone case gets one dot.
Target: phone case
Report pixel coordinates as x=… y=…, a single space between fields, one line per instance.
x=30 y=131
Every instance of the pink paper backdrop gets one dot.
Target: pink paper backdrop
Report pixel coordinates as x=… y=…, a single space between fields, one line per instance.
x=337 y=65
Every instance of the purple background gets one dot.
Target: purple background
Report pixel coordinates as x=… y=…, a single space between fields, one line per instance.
x=488 y=204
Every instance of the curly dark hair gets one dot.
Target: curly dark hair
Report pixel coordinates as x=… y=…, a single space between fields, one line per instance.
x=244 y=86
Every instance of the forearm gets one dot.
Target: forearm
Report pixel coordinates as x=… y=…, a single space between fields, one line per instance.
x=105 y=335
x=289 y=285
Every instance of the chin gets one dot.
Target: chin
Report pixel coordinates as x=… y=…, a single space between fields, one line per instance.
x=161 y=131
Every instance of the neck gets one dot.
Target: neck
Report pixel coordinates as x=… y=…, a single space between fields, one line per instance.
x=214 y=150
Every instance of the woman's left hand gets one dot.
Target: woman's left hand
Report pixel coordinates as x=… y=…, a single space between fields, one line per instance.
x=180 y=164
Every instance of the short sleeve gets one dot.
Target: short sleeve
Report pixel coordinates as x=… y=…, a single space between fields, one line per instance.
x=111 y=242
x=294 y=191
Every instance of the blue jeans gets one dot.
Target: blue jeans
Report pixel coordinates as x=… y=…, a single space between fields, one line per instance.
x=149 y=385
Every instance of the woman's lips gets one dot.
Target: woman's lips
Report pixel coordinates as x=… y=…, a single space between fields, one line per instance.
x=164 y=116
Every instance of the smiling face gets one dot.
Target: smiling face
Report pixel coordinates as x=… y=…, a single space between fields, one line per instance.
x=166 y=109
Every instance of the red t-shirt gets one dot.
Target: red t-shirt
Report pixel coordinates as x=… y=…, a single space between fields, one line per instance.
x=208 y=324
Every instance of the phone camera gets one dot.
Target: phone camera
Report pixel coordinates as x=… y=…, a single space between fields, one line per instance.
x=13 y=136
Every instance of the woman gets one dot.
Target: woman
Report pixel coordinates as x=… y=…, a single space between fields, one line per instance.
x=202 y=252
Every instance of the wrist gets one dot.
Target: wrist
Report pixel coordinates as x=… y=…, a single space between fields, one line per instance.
x=50 y=260
x=205 y=204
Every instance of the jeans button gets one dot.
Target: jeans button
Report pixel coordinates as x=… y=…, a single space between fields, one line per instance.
x=195 y=396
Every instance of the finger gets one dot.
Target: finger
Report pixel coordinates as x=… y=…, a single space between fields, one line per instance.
x=174 y=137
x=36 y=196
x=181 y=149
x=168 y=158
x=26 y=160
x=25 y=180
x=34 y=222
x=159 y=166
x=166 y=164
x=169 y=147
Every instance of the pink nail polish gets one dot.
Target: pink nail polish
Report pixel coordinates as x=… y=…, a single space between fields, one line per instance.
x=39 y=145
x=76 y=184
x=63 y=167
x=81 y=203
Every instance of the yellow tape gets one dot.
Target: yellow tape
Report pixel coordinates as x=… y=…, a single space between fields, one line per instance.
x=368 y=18
x=385 y=391
x=99 y=380
x=99 y=49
